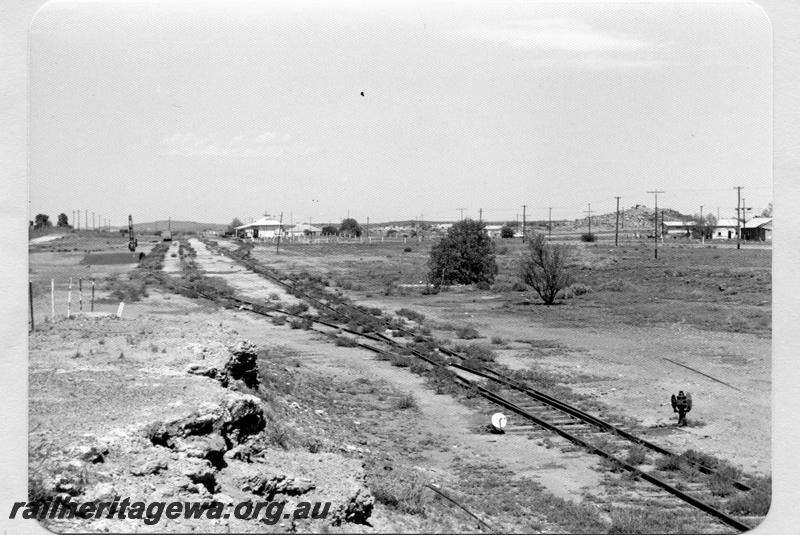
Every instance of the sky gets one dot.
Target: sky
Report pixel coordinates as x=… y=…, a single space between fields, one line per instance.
x=209 y=111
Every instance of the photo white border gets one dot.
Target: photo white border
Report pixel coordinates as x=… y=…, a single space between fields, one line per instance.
x=15 y=18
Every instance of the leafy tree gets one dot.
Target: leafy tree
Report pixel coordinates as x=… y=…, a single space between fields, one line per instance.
x=350 y=227
x=544 y=268
x=62 y=220
x=767 y=212
x=329 y=230
x=232 y=227
x=507 y=231
x=465 y=255
x=42 y=221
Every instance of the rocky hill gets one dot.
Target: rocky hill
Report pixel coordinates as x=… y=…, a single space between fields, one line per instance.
x=635 y=217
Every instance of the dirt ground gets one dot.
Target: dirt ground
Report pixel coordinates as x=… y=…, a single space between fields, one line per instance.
x=95 y=379
x=619 y=356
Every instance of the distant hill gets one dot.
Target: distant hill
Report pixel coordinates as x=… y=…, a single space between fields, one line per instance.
x=177 y=226
x=636 y=217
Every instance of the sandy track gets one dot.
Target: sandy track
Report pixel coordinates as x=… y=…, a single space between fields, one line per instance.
x=172 y=264
x=245 y=282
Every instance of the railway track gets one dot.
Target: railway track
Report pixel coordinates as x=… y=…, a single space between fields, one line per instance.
x=538 y=411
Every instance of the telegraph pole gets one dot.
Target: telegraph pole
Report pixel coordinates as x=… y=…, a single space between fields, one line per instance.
x=280 y=231
x=655 y=223
x=86 y=218
x=93 y=225
x=702 y=227
x=738 y=216
x=589 y=212
x=480 y=214
x=616 y=225
x=461 y=210
x=550 y=222
x=524 y=207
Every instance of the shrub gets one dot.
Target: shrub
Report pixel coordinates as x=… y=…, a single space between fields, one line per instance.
x=507 y=231
x=646 y=520
x=615 y=285
x=574 y=290
x=407 y=249
x=297 y=308
x=496 y=340
x=466 y=255
x=278 y=434
x=401 y=490
x=754 y=502
x=443 y=380
x=670 y=463
x=406 y=401
x=350 y=227
x=345 y=341
x=544 y=268
x=129 y=291
x=329 y=230
x=588 y=237
x=410 y=314
x=401 y=361
x=479 y=352
x=636 y=455
x=279 y=320
x=467 y=333
x=502 y=286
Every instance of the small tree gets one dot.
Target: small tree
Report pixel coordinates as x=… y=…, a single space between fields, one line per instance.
x=232 y=227
x=767 y=212
x=544 y=268
x=329 y=230
x=62 y=220
x=350 y=227
x=42 y=221
x=464 y=256
x=507 y=231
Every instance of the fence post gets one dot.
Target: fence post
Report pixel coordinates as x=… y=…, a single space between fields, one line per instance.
x=80 y=294
x=52 y=300
x=69 y=299
x=92 y=310
x=30 y=302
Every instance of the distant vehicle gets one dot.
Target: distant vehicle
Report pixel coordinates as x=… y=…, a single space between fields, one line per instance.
x=132 y=241
x=167 y=236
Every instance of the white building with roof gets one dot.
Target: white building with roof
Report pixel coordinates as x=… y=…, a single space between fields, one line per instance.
x=304 y=229
x=725 y=229
x=263 y=229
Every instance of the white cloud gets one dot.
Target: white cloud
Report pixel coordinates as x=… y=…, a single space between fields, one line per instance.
x=267 y=144
x=557 y=34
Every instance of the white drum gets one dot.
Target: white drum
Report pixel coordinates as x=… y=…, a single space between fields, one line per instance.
x=499 y=421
